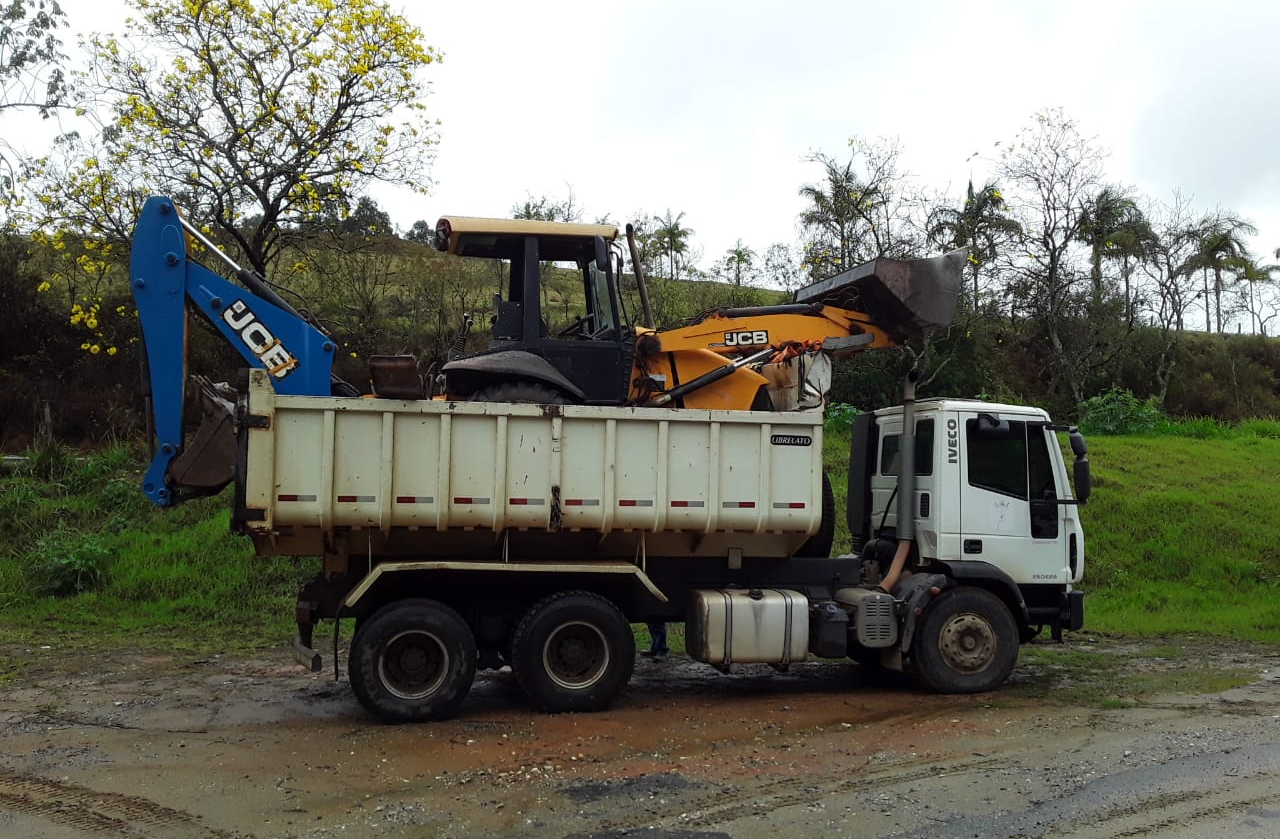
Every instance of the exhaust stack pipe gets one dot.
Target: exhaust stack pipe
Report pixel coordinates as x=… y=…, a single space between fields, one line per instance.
x=906 y=484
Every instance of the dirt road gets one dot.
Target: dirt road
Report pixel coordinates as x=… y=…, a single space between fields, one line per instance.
x=140 y=745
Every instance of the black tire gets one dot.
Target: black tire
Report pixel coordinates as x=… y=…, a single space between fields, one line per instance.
x=412 y=660
x=573 y=651
x=966 y=642
x=530 y=393
x=819 y=544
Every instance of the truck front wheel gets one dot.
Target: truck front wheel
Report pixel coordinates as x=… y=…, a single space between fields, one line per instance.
x=412 y=660
x=967 y=642
x=573 y=651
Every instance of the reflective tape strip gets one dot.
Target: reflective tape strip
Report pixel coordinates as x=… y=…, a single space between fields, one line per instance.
x=415 y=499
x=357 y=499
x=687 y=504
x=295 y=498
x=635 y=502
x=739 y=505
x=788 y=505
x=582 y=502
x=470 y=499
x=527 y=502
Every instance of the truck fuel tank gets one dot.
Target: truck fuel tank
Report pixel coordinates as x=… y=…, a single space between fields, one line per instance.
x=745 y=626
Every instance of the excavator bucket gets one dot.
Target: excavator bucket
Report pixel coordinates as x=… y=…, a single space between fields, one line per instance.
x=905 y=298
x=208 y=462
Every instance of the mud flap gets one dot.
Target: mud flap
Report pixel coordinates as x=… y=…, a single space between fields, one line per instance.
x=208 y=462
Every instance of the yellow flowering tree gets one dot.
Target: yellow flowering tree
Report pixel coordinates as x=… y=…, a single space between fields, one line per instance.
x=252 y=113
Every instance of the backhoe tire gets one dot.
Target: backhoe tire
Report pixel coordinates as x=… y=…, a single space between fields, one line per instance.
x=412 y=660
x=966 y=642
x=819 y=544
x=573 y=651
x=529 y=393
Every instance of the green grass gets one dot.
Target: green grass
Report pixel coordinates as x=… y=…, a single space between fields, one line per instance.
x=90 y=562
x=1182 y=536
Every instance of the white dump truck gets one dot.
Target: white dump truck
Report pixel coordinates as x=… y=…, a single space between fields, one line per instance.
x=530 y=526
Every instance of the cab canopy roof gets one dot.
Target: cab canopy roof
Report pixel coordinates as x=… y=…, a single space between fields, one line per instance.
x=499 y=238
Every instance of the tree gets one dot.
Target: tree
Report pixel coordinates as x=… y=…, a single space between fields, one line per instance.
x=1103 y=214
x=782 y=267
x=422 y=232
x=546 y=208
x=671 y=237
x=31 y=57
x=738 y=267
x=1054 y=172
x=1222 y=248
x=1168 y=268
x=980 y=225
x=253 y=109
x=858 y=212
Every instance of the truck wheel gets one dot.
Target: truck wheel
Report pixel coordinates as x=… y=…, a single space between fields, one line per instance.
x=412 y=660
x=530 y=393
x=819 y=544
x=967 y=642
x=573 y=651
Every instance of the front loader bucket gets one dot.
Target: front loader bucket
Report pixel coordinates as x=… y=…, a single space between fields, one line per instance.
x=905 y=298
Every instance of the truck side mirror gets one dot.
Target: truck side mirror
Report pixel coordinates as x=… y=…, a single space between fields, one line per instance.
x=992 y=427
x=602 y=254
x=1084 y=480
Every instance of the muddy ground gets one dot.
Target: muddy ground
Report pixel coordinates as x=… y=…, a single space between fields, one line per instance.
x=133 y=744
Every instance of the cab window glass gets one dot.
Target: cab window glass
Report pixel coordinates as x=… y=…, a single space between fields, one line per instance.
x=997 y=457
x=924 y=450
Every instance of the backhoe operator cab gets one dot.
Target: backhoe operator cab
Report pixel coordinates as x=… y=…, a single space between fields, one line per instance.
x=587 y=362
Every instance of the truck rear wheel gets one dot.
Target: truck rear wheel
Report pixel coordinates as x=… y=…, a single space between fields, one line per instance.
x=819 y=544
x=967 y=642
x=412 y=660
x=573 y=651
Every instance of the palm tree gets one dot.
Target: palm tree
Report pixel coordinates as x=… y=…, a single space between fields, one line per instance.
x=672 y=239
x=1132 y=241
x=980 y=225
x=837 y=208
x=1101 y=217
x=1221 y=248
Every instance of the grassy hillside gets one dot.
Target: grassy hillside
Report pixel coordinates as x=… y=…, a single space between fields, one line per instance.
x=1183 y=536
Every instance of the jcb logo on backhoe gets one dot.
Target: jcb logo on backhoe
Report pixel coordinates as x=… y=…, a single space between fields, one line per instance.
x=743 y=339
x=278 y=361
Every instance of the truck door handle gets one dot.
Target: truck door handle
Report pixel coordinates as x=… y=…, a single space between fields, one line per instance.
x=973 y=546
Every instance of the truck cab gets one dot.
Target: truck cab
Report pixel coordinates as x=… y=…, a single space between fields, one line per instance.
x=992 y=498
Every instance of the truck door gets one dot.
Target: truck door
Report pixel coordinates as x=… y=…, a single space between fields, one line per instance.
x=1008 y=511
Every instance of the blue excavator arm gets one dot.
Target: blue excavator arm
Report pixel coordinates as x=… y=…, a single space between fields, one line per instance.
x=267 y=332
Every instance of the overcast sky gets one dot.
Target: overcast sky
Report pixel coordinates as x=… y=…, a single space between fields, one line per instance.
x=710 y=108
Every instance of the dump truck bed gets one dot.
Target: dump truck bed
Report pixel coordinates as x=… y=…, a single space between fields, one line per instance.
x=419 y=478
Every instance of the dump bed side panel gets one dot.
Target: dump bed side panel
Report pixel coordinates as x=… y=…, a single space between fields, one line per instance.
x=339 y=463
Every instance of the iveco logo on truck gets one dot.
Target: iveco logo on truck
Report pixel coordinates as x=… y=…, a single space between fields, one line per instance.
x=953 y=441
x=743 y=339
x=274 y=357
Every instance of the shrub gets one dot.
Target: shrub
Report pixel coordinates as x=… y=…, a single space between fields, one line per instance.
x=1118 y=412
x=65 y=563
x=1261 y=428
x=839 y=416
